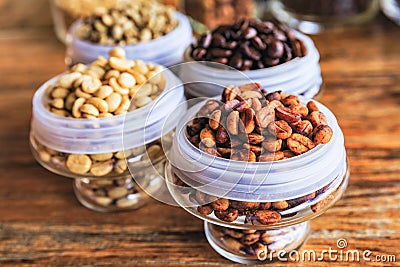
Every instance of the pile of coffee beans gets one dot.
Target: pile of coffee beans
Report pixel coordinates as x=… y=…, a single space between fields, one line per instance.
x=249 y=44
x=251 y=124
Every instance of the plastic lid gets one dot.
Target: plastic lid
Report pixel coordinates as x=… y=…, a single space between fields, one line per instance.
x=258 y=181
x=88 y=136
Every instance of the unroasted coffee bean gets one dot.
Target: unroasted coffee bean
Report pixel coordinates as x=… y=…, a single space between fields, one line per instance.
x=249 y=44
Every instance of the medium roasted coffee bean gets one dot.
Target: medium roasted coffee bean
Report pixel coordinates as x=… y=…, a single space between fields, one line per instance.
x=205 y=210
x=304 y=127
x=317 y=118
x=322 y=134
x=232 y=122
x=243 y=205
x=220 y=204
x=222 y=135
x=214 y=119
x=266 y=216
x=280 y=129
x=299 y=144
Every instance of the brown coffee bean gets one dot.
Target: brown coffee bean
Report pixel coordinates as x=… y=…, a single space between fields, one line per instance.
x=199 y=54
x=205 y=40
x=312 y=106
x=214 y=119
x=278 y=155
x=248 y=120
x=232 y=122
x=230 y=105
x=275 y=49
x=304 y=127
x=249 y=33
x=323 y=203
x=317 y=118
x=256 y=104
x=228 y=215
x=222 y=135
x=243 y=205
x=255 y=138
x=287 y=114
x=280 y=205
x=297 y=201
x=280 y=129
x=232 y=244
x=254 y=148
x=273 y=96
x=272 y=144
x=208 y=108
x=264 y=205
x=299 y=144
x=265 y=116
x=230 y=92
x=225 y=152
x=244 y=155
x=322 y=134
x=288 y=154
x=250 y=239
x=291 y=100
x=205 y=209
x=220 y=204
x=207 y=137
x=267 y=216
x=209 y=150
x=300 y=109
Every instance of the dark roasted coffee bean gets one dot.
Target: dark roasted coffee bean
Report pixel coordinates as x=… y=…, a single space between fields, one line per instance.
x=199 y=53
x=218 y=40
x=221 y=60
x=249 y=33
x=258 y=43
x=275 y=49
x=205 y=40
x=236 y=62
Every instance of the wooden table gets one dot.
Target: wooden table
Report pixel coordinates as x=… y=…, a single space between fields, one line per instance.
x=42 y=224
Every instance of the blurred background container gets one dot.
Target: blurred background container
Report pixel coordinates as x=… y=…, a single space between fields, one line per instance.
x=313 y=16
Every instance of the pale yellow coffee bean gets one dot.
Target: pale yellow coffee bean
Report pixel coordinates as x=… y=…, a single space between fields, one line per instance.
x=48 y=107
x=91 y=85
x=117 y=52
x=44 y=156
x=104 y=91
x=138 y=150
x=100 y=61
x=79 y=163
x=80 y=93
x=51 y=151
x=139 y=77
x=67 y=80
x=125 y=104
x=57 y=103
x=58 y=161
x=125 y=202
x=102 y=168
x=120 y=166
x=112 y=73
x=69 y=101
x=117 y=192
x=154 y=77
x=101 y=182
x=120 y=64
x=126 y=80
x=142 y=101
x=95 y=71
x=140 y=67
x=103 y=201
x=59 y=92
x=113 y=101
x=105 y=115
x=117 y=88
x=145 y=35
x=134 y=90
x=89 y=116
x=102 y=156
x=145 y=90
x=107 y=19
x=60 y=112
x=89 y=109
x=99 y=103
x=154 y=152
x=155 y=90
x=120 y=154
x=76 y=107
x=79 y=68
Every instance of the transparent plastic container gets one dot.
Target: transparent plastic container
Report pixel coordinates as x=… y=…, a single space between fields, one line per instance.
x=166 y=50
x=270 y=199
x=313 y=16
x=300 y=76
x=115 y=162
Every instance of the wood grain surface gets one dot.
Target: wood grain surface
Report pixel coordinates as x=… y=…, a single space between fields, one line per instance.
x=42 y=224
